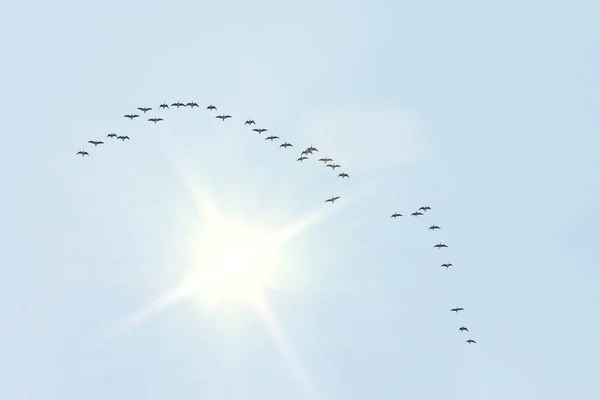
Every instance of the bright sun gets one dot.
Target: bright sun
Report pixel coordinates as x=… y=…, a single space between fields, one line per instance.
x=232 y=262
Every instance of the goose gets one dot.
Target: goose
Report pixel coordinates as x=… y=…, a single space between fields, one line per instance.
x=271 y=138
x=144 y=109
x=416 y=214
x=95 y=142
x=131 y=116
x=325 y=159
x=223 y=117
x=302 y=158
x=332 y=200
x=286 y=145
x=178 y=104
x=155 y=119
x=333 y=166
x=396 y=215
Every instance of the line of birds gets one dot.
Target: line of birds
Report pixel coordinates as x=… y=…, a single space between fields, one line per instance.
x=421 y=211
x=250 y=122
x=329 y=162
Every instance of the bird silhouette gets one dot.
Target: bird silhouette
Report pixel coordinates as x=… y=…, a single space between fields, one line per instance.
x=131 y=116
x=123 y=138
x=178 y=104
x=83 y=153
x=332 y=200
x=344 y=175
x=211 y=107
x=440 y=245
x=396 y=215
x=249 y=122
x=163 y=105
x=302 y=158
x=457 y=309
x=463 y=329
x=111 y=135
x=95 y=142
x=434 y=227
x=271 y=138
x=471 y=341
x=155 y=119
x=144 y=109
x=223 y=117
x=286 y=145
x=325 y=160
x=259 y=130
x=446 y=265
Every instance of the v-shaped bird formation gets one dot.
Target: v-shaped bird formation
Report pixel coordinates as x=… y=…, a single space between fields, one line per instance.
x=304 y=155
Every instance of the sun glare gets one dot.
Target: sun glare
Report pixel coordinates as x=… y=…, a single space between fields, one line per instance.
x=232 y=262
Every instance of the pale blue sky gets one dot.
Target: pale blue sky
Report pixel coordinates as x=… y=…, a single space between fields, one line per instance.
x=485 y=111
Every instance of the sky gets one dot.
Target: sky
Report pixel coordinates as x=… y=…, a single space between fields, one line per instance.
x=487 y=113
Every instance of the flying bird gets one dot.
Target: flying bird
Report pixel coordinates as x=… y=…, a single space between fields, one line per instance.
x=425 y=208
x=155 y=119
x=259 y=130
x=305 y=152
x=131 y=116
x=211 y=107
x=332 y=200
x=144 y=109
x=223 y=117
x=463 y=329
x=416 y=213
x=271 y=138
x=471 y=341
x=192 y=104
x=434 y=227
x=123 y=138
x=439 y=246
x=163 y=105
x=448 y=265
x=286 y=145
x=178 y=104
x=333 y=166
x=396 y=215
x=95 y=142
x=83 y=153
x=111 y=135
x=325 y=160
x=302 y=158
x=313 y=148
x=344 y=175
x=249 y=122
x=457 y=309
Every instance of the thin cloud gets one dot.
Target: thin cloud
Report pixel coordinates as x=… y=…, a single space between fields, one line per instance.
x=371 y=138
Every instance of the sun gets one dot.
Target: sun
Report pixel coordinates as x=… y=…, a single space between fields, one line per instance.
x=232 y=262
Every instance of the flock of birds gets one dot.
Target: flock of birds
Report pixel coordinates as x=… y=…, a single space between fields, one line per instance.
x=303 y=156
x=421 y=211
